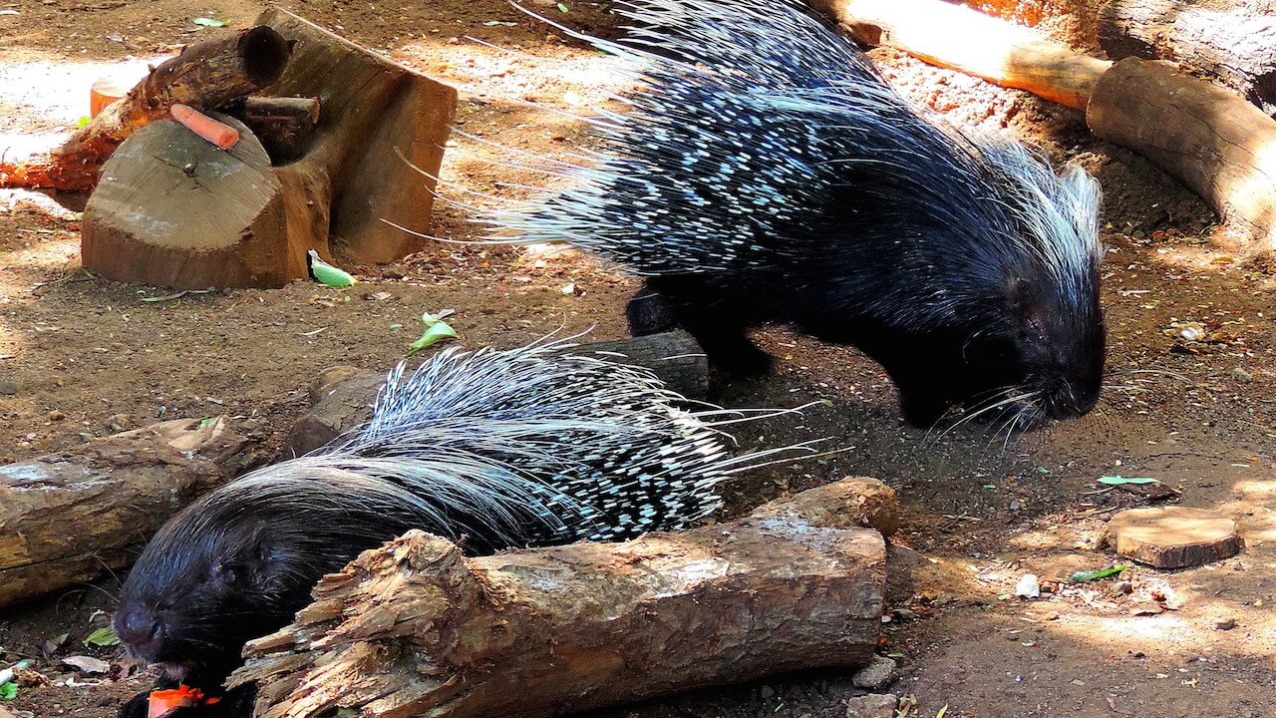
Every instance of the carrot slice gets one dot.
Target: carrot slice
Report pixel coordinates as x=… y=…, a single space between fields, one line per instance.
x=163 y=702
x=218 y=133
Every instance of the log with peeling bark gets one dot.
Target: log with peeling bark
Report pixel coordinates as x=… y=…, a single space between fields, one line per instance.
x=1231 y=41
x=206 y=75
x=415 y=628
x=1215 y=142
x=69 y=518
x=283 y=124
x=341 y=398
x=964 y=39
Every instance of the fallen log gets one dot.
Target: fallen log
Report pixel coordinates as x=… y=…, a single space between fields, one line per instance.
x=1220 y=146
x=341 y=398
x=206 y=75
x=72 y=517
x=1211 y=140
x=964 y=39
x=414 y=628
x=1231 y=41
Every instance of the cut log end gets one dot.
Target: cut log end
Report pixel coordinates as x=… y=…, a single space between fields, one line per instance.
x=1173 y=536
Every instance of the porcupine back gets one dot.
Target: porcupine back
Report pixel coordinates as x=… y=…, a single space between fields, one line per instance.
x=764 y=166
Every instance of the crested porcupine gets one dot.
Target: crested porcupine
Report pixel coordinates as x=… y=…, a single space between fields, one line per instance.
x=765 y=172
x=530 y=446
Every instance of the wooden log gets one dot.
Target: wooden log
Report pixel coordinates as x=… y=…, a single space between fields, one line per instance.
x=342 y=397
x=1220 y=146
x=71 y=517
x=961 y=38
x=255 y=227
x=1173 y=536
x=414 y=628
x=1231 y=41
x=206 y=75
x=174 y=210
x=284 y=125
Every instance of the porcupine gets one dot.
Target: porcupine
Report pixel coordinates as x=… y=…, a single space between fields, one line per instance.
x=765 y=172
x=530 y=446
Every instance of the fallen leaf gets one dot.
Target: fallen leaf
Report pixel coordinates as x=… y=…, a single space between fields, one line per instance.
x=105 y=636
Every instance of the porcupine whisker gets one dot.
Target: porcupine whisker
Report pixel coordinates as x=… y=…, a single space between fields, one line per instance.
x=996 y=404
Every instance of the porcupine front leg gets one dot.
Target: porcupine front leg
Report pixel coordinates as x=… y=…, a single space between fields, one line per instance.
x=718 y=324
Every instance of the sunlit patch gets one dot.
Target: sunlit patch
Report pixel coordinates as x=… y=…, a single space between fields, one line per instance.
x=38 y=96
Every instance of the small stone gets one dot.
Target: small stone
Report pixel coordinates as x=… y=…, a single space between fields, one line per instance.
x=766 y=692
x=875 y=706
x=876 y=674
x=394 y=271
x=56 y=415
x=8 y=388
x=120 y=422
x=1244 y=377
x=1225 y=625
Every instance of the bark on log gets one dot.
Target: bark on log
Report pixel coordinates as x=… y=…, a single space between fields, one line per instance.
x=69 y=518
x=414 y=628
x=206 y=75
x=963 y=39
x=342 y=397
x=1220 y=146
x=1231 y=41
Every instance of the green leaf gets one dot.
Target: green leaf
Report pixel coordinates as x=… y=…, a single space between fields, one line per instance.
x=562 y=7
x=8 y=691
x=209 y=22
x=990 y=486
x=396 y=326
x=85 y=120
x=1042 y=470
x=327 y=274
x=203 y=423
x=1118 y=480
x=435 y=333
x=104 y=636
x=1087 y=576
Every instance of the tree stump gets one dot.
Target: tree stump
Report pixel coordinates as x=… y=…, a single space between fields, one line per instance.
x=69 y=518
x=415 y=628
x=172 y=218
x=1173 y=536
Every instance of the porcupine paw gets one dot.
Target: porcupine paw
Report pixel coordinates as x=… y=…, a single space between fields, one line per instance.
x=741 y=360
x=137 y=707
x=649 y=312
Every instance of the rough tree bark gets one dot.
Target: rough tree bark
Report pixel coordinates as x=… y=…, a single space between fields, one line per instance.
x=341 y=398
x=69 y=518
x=1231 y=41
x=415 y=629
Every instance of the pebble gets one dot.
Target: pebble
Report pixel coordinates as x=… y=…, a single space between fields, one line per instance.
x=876 y=674
x=8 y=388
x=56 y=415
x=1242 y=376
x=1225 y=625
x=120 y=422
x=394 y=271
x=874 y=706
x=766 y=692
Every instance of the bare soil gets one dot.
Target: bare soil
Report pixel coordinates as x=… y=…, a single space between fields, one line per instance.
x=83 y=357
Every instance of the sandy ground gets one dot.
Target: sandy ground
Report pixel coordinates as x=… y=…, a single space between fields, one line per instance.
x=80 y=356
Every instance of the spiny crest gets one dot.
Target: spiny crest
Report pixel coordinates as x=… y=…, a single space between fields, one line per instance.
x=584 y=447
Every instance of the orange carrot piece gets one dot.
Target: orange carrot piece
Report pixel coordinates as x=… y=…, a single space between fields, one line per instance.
x=218 y=133
x=163 y=702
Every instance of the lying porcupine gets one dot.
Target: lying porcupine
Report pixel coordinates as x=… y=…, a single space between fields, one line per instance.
x=530 y=446
x=766 y=173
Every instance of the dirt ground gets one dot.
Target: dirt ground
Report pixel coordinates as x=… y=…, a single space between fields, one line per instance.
x=82 y=357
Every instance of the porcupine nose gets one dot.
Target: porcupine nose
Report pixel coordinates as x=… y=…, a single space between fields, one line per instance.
x=138 y=628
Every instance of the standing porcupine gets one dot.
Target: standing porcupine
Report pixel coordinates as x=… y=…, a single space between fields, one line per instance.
x=530 y=446
x=766 y=173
